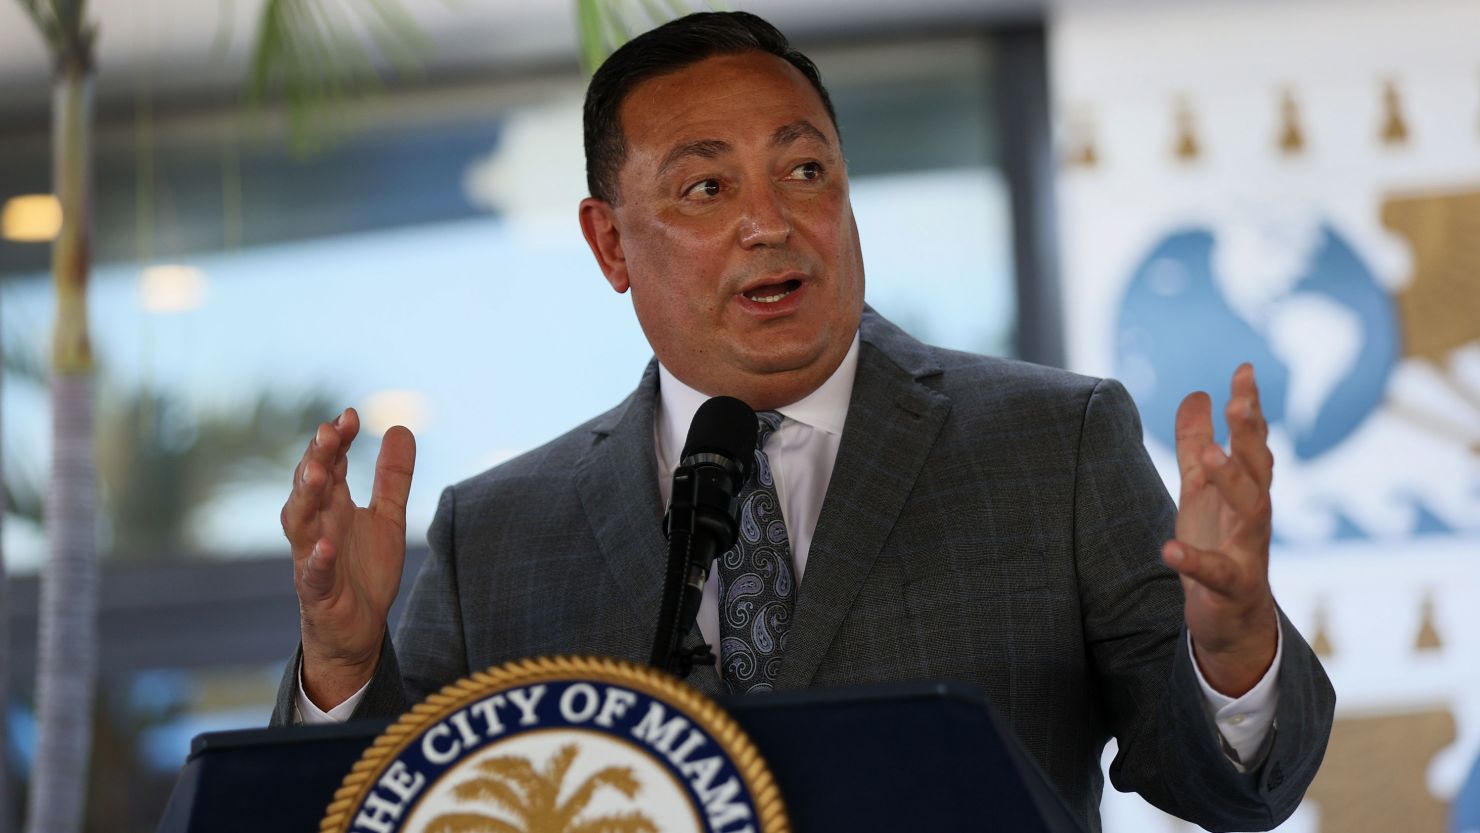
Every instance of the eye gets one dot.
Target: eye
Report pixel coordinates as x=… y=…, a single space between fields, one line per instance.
x=809 y=171
x=704 y=189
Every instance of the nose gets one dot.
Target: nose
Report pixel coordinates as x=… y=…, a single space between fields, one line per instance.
x=765 y=221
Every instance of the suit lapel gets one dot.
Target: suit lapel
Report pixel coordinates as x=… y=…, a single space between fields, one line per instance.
x=618 y=484
x=892 y=424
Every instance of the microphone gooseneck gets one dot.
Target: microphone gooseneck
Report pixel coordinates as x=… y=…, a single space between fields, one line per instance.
x=701 y=520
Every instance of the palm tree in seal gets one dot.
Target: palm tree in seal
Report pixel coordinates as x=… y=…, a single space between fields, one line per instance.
x=511 y=783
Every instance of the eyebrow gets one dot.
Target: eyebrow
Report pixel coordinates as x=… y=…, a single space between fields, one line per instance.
x=703 y=148
x=800 y=129
x=714 y=148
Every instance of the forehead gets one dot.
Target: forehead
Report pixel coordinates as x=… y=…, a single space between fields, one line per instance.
x=722 y=97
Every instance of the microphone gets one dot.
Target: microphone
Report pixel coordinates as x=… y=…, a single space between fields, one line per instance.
x=701 y=519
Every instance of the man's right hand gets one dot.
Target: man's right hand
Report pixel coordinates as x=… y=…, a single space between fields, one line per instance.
x=346 y=560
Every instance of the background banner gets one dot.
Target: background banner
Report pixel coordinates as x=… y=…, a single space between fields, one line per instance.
x=1298 y=185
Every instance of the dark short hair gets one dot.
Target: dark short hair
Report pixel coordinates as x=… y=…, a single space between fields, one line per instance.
x=671 y=47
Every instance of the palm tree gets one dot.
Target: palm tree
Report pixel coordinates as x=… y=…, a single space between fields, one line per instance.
x=512 y=784
x=66 y=653
x=311 y=54
x=161 y=462
x=304 y=51
x=293 y=35
x=315 y=56
x=607 y=24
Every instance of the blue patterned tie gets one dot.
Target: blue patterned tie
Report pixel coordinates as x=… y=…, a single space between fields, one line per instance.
x=755 y=581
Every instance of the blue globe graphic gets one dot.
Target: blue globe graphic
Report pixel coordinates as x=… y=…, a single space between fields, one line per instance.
x=1177 y=333
x=1465 y=811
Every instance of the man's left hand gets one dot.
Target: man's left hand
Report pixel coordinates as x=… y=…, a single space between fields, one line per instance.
x=1222 y=544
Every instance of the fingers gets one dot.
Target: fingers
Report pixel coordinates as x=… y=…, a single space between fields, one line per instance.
x=1247 y=429
x=348 y=426
x=1213 y=570
x=1238 y=487
x=316 y=578
x=320 y=469
x=393 y=475
x=310 y=483
x=1194 y=432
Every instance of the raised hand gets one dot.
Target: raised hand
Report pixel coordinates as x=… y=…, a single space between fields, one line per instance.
x=347 y=560
x=1222 y=544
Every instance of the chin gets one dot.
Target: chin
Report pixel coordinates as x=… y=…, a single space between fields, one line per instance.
x=771 y=357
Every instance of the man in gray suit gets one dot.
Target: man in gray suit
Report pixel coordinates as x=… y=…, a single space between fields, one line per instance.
x=957 y=516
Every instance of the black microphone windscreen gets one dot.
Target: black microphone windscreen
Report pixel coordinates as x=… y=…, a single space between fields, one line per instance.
x=724 y=426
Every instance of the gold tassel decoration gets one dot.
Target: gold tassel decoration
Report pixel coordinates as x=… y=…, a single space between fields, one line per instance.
x=1187 y=148
x=1321 y=644
x=1394 y=128
x=1081 y=151
x=1428 y=635
x=1292 y=138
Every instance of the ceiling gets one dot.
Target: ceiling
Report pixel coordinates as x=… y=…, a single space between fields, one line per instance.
x=184 y=48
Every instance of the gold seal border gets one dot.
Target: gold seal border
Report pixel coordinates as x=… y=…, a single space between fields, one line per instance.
x=770 y=811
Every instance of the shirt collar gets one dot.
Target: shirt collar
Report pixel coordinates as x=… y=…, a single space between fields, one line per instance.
x=824 y=409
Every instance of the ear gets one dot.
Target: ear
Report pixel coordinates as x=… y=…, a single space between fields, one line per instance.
x=599 y=225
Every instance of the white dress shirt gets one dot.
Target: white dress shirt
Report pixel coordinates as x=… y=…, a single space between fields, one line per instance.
x=802 y=452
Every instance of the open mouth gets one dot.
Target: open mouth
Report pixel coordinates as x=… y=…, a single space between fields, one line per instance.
x=772 y=293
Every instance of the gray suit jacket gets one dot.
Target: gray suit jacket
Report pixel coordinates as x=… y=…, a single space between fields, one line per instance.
x=987 y=521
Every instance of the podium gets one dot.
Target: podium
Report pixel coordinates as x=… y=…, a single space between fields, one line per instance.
x=903 y=756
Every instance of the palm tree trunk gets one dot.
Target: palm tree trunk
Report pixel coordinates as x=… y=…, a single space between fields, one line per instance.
x=67 y=644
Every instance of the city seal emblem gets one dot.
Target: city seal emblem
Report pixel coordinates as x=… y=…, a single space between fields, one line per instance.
x=561 y=745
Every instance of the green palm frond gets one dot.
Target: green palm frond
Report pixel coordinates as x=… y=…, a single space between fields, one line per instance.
x=23 y=361
x=43 y=18
x=63 y=25
x=318 y=56
x=469 y=823
x=620 y=779
x=161 y=460
x=605 y=25
x=633 y=822
x=23 y=497
x=493 y=791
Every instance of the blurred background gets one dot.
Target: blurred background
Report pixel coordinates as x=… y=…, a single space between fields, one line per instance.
x=1148 y=190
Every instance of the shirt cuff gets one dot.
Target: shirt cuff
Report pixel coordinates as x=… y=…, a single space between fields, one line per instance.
x=307 y=714
x=1246 y=723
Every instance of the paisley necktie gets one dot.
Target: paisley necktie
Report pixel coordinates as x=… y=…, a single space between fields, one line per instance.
x=755 y=581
